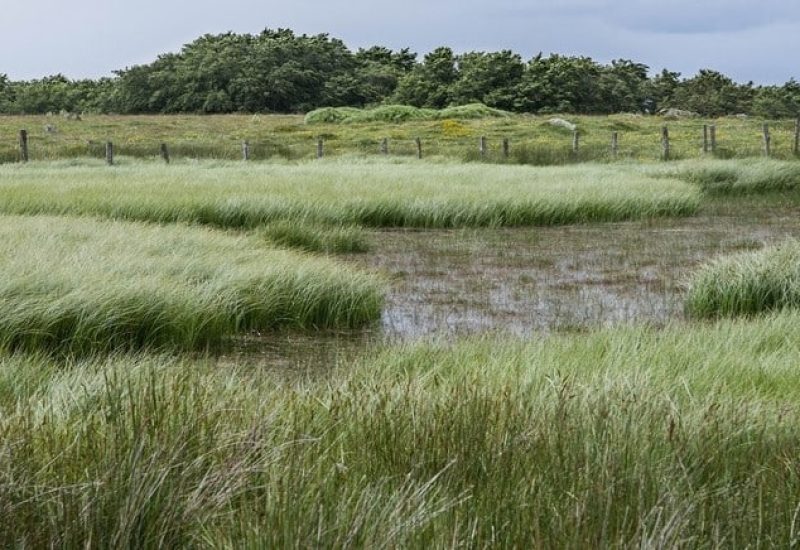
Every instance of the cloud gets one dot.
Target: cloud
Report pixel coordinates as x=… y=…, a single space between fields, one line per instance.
x=674 y=17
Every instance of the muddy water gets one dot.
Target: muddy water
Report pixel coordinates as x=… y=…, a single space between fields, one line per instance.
x=522 y=281
x=444 y=284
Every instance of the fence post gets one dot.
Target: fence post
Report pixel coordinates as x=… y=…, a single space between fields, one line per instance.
x=23 y=145
x=419 y=147
x=385 y=146
x=575 y=142
x=165 y=152
x=506 y=148
x=665 y=143
x=109 y=153
x=705 y=139
x=712 y=130
x=245 y=151
x=767 y=141
x=482 y=146
x=797 y=137
x=615 y=144
x=320 y=148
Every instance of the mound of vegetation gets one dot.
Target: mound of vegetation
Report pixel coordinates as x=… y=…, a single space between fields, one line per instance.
x=401 y=113
x=83 y=286
x=748 y=283
x=371 y=194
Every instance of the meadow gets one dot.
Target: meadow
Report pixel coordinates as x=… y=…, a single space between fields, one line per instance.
x=388 y=352
x=532 y=139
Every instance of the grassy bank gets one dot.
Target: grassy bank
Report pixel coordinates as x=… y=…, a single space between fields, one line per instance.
x=627 y=437
x=377 y=194
x=748 y=283
x=81 y=286
x=533 y=140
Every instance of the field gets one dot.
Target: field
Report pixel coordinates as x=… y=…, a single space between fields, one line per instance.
x=388 y=352
x=532 y=139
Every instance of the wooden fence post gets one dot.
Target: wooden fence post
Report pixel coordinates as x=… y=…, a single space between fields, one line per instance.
x=245 y=151
x=767 y=141
x=665 y=143
x=712 y=131
x=385 y=146
x=419 y=147
x=320 y=148
x=23 y=145
x=614 y=144
x=797 y=137
x=575 y=142
x=109 y=153
x=506 y=148
x=482 y=146
x=165 y=152
x=705 y=139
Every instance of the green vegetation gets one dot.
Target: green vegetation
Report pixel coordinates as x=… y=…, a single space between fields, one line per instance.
x=375 y=194
x=629 y=437
x=316 y=238
x=401 y=113
x=280 y=72
x=748 y=283
x=723 y=177
x=532 y=139
x=81 y=286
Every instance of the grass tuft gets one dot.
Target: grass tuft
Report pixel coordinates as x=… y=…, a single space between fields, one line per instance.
x=748 y=283
x=81 y=286
x=317 y=238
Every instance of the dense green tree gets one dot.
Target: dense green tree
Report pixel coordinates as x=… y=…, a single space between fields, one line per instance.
x=778 y=101
x=490 y=78
x=428 y=84
x=280 y=71
x=622 y=87
x=712 y=94
x=560 y=84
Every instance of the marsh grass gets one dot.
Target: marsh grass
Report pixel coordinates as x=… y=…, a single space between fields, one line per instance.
x=748 y=283
x=329 y=239
x=739 y=177
x=353 y=192
x=628 y=437
x=81 y=286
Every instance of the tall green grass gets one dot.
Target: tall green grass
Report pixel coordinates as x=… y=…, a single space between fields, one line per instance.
x=81 y=286
x=748 y=283
x=621 y=438
x=360 y=192
x=739 y=177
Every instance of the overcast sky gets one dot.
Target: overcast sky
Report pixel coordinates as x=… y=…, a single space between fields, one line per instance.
x=755 y=40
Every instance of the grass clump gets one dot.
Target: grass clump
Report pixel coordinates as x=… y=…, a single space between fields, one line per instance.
x=316 y=238
x=366 y=193
x=620 y=438
x=748 y=283
x=82 y=286
x=738 y=177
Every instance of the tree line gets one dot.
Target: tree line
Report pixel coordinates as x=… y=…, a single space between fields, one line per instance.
x=278 y=71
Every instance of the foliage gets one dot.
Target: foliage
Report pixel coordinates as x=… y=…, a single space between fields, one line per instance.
x=279 y=71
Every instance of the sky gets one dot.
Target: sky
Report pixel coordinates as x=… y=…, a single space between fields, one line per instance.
x=749 y=40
